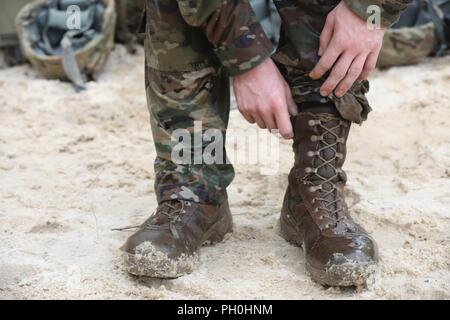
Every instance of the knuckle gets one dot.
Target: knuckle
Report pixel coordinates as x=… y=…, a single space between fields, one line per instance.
x=367 y=70
x=245 y=108
x=242 y=109
x=275 y=100
x=353 y=73
x=327 y=87
x=337 y=74
x=345 y=85
x=324 y=66
x=341 y=43
x=278 y=104
x=252 y=111
x=330 y=17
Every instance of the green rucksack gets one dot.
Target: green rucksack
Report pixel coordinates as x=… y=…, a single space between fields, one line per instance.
x=57 y=49
x=422 y=30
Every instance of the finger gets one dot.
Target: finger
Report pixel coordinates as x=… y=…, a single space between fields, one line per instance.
x=337 y=73
x=325 y=36
x=326 y=62
x=259 y=121
x=284 y=124
x=269 y=121
x=247 y=117
x=352 y=75
x=291 y=105
x=370 y=64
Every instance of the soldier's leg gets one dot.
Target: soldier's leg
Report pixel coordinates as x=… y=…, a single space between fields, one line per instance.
x=188 y=99
x=314 y=214
x=176 y=101
x=192 y=202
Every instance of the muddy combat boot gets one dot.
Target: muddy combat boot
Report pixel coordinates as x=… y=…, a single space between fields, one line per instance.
x=315 y=216
x=166 y=245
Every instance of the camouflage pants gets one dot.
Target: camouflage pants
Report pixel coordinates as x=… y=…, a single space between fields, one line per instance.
x=178 y=98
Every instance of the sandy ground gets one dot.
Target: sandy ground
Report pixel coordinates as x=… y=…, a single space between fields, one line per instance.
x=75 y=166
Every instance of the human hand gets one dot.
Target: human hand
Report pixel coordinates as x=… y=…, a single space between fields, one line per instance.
x=264 y=97
x=349 y=48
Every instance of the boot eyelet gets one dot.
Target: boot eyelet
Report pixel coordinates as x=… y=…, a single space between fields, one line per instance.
x=314 y=138
x=312 y=189
x=311 y=123
x=310 y=154
x=308 y=170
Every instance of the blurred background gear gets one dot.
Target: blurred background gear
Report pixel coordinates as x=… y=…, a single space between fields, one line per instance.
x=9 y=43
x=129 y=16
x=422 y=30
x=58 y=49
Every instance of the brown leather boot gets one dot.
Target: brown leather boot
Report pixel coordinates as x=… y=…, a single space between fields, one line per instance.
x=315 y=216
x=166 y=245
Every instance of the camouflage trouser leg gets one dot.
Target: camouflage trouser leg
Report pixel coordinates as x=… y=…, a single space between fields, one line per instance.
x=177 y=99
x=303 y=21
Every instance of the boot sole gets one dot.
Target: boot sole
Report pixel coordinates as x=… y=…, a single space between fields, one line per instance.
x=156 y=264
x=347 y=274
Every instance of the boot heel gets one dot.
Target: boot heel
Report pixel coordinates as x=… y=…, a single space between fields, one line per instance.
x=289 y=233
x=221 y=229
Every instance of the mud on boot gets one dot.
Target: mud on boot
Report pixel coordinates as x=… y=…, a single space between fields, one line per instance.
x=167 y=244
x=315 y=216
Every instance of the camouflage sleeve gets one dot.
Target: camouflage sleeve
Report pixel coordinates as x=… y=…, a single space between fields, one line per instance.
x=232 y=28
x=390 y=9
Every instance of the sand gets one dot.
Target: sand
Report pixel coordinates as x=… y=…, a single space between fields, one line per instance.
x=75 y=166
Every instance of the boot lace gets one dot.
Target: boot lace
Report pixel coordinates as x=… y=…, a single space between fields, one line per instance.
x=173 y=210
x=326 y=184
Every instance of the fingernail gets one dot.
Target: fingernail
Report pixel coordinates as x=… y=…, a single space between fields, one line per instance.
x=320 y=52
x=323 y=93
x=339 y=93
